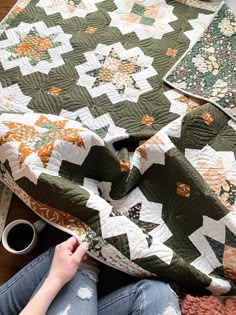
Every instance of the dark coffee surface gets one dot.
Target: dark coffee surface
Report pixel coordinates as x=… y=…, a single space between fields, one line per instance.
x=20 y=236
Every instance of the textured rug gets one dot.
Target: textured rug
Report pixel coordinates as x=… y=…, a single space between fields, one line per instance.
x=207 y=305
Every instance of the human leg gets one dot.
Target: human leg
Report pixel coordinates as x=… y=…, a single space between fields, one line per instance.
x=146 y=297
x=78 y=296
x=16 y=292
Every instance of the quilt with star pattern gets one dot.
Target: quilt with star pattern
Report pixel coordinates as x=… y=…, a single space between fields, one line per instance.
x=94 y=141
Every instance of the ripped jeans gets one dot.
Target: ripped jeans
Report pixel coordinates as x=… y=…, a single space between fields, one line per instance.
x=79 y=296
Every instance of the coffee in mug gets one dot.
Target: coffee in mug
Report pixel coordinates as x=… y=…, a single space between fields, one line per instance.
x=20 y=236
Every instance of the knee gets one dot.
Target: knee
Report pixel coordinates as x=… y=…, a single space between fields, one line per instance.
x=156 y=288
x=158 y=294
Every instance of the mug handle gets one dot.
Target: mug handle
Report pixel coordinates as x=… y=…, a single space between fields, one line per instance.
x=39 y=225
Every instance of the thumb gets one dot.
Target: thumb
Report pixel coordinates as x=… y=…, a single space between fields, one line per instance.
x=81 y=251
x=71 y=243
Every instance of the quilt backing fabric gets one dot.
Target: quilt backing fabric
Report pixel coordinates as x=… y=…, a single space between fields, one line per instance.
x=208 y=70
x=95 y=142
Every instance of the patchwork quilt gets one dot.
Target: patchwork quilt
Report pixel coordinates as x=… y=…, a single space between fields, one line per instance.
x=94 y=141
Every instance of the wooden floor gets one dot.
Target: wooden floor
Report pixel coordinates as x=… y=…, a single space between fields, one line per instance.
x=5 y=6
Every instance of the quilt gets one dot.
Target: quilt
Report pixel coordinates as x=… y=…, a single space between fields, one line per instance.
x=95 y=142
x=208 y=70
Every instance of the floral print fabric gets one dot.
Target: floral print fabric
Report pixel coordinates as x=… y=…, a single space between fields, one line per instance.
x=34 y=47
x=208 y=70
x=119 y=73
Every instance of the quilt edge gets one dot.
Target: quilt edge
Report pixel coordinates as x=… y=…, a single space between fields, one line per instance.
x=191 y=45
x=182 y=57
x=3 y=21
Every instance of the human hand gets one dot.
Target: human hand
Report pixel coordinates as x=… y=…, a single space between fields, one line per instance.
x=66 y=260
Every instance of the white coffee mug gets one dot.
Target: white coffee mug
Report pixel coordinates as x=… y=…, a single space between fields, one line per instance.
x=30 y=244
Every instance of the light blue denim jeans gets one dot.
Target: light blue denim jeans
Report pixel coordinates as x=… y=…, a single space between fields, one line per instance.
x=79 y=296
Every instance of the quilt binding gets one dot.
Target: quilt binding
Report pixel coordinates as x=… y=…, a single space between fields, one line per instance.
x=182 y=57
x=3 y=21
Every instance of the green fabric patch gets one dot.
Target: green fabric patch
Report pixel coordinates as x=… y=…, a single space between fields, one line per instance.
x=138 y=9
x=147 y=21
x=102 y=131
x=74 y=2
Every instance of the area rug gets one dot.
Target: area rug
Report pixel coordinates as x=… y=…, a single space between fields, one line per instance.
x=93 y=141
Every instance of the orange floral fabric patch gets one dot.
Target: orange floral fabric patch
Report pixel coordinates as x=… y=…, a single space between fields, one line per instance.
x=124 y=166
x=59 y=217
x=147 y=120
x=183 y=189
x=171 y=52
x=40 y=143
x=207 y=117
x=54 y=90
x=91 y=30
x=17 y=10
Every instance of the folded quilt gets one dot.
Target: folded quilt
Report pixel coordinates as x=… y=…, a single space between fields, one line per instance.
x=94 y=142
x=208 y=69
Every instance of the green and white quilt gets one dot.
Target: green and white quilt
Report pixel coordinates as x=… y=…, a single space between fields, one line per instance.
x=95 y=142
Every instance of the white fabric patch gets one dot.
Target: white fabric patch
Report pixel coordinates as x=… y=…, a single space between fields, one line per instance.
x=13 y=100
x=219 y=286
x=152 y=151
x=85 y=293
x=65 y=312
x=68 y=9
x=214 y=229
x=199 y=25
x=114 y=133
x=176 y=106
x=173 y=129
x=232 y=124
x=170 y=311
